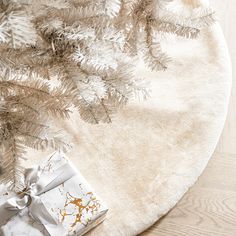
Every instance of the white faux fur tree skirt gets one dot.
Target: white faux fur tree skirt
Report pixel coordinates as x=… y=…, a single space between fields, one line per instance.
x=144 y=162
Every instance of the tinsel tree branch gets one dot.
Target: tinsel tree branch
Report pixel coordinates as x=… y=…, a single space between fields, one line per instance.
x=26 y=102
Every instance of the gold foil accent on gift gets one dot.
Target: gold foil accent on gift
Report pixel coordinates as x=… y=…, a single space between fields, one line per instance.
x=47 y=167
x=82 y=207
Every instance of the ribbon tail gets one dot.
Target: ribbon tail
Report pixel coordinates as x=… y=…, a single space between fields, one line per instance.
x=54 y=179
x=5 y=214
x=39 y=212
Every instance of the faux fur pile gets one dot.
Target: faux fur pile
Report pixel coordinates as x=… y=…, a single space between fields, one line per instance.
x=144 y=162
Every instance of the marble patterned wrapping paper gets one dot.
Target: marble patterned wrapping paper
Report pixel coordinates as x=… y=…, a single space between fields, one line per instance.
x=73 y=203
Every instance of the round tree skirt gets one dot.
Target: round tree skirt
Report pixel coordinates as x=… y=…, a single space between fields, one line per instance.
x=143 y=162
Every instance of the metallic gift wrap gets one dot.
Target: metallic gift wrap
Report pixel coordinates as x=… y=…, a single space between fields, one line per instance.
x=73 y=204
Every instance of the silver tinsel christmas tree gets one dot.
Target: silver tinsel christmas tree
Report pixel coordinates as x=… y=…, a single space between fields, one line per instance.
x=60 y=55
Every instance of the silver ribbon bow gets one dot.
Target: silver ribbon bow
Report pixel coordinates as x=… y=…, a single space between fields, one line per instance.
x=37 y=183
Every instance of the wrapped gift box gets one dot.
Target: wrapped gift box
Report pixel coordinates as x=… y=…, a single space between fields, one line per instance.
x=73 y=203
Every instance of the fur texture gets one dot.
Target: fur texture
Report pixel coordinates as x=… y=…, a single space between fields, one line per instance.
x=144 y=162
